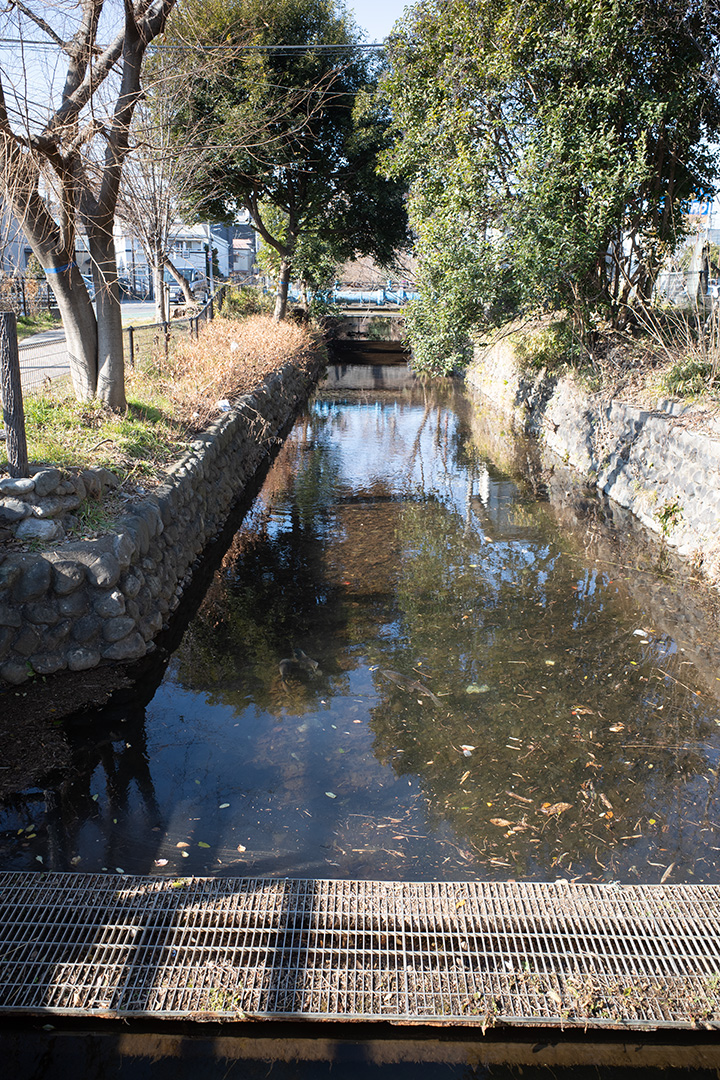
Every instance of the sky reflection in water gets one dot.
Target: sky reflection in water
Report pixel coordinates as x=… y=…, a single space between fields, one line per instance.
x=500 y=688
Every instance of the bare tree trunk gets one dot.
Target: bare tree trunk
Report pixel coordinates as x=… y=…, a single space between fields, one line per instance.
x=161 y=308
x=181 y=280
x=281 y=298
x=111 y=360
x=80 y=326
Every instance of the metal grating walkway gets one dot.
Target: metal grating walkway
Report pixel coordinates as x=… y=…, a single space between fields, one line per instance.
x=468 y=952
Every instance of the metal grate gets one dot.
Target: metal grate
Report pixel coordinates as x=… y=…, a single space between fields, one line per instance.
x=480 y=953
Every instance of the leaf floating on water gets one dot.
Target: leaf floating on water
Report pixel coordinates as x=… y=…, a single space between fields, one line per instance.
x=223 y=806
x=477 y=688
x=331 y=795
x=502 y=822
x=161 y=862
x=241 y=847
x=555 y=808
x=38 y=858
x=201 y=843
x=119 y=870
x=185 y=854
x=95 y=798
x=182 y=843
x=667 y=873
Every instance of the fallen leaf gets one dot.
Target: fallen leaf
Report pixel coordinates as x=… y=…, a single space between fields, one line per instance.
x=331 y=795
x=555 y=808
x=182 y=843
x=161 y=862
x=502 y=822
x=201 y=843
x=185 y=854
x=667 y=873
x=223 y=806
x=475 y=688
x=241 y=847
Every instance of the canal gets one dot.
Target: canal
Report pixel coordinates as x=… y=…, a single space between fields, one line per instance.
x=426 y=654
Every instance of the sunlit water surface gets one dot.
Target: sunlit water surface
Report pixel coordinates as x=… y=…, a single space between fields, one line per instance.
x=424 y=656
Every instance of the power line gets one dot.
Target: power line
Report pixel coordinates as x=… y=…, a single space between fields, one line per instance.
x=310 y=47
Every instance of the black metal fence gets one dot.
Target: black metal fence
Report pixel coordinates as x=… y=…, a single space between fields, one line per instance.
x=45 y=358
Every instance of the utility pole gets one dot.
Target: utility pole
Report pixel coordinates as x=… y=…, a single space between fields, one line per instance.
x=13 y=413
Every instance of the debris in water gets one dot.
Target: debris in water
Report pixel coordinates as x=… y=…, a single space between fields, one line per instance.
x=555 y=808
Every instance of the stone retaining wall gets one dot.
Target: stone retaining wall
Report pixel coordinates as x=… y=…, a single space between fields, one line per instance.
x=647 y=460
x=106 y=600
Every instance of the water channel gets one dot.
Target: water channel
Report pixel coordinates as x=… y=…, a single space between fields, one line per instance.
x=426 y=654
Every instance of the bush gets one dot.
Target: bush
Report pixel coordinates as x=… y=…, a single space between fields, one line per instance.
x=242 y=300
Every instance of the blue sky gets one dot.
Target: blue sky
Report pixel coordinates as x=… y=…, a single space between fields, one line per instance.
x=377 y=16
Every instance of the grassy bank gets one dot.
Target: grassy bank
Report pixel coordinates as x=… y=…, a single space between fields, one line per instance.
x=27 y=325
x=169 y=400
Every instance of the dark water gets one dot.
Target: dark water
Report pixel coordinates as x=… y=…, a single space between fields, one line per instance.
x=510 y=681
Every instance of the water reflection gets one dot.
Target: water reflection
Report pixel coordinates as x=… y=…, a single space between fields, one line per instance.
x=502 y=684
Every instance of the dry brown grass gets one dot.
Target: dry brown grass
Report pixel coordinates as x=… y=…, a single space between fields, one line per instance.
x=231 y=358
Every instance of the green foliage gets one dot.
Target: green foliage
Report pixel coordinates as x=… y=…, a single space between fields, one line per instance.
x=689 y=377
x=239 y=302
x=669 y=516
x=552 y=346
x=551 y=146
x=308 y=173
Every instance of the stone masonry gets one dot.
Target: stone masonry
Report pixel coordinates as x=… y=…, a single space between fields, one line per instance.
x=650 y=461
x=79 y=604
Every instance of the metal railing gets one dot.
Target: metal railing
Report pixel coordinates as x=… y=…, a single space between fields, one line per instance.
x=46 y=359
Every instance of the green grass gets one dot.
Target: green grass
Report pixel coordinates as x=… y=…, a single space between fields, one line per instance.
x=65 y=432
x=27 y=325
x=169 y=400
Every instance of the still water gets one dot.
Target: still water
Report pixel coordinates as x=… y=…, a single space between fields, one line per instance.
x=427 y=653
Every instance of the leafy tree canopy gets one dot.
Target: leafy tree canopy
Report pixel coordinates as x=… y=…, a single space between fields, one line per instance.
x=303 y=69
x=551 y=149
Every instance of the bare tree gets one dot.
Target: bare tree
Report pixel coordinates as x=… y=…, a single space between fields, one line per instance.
x=76 y=149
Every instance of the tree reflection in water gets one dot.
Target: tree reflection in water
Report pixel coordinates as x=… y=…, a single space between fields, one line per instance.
x=572 y=727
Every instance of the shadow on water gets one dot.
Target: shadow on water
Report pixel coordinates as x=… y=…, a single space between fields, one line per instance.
x=427 y=652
